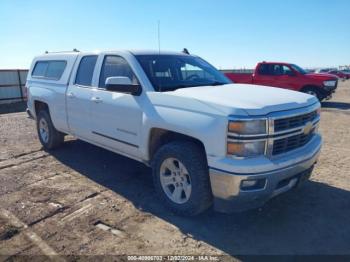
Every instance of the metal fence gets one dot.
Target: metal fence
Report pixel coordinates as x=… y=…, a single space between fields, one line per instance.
x=12 y=85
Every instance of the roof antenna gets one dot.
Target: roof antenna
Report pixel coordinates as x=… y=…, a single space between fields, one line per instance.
x=185 y=51
x=159 y=36
x=160 y=85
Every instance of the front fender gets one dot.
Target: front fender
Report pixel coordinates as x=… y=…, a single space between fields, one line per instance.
x=207 y=128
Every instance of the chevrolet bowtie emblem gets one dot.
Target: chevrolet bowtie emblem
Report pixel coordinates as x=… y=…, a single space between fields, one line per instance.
x=307 y=128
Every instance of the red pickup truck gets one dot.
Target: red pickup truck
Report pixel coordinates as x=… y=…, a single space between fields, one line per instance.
x=288 y=76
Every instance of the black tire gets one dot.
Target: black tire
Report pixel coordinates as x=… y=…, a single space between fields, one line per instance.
x=55 y=138
x=194 y=160
x=314 y=91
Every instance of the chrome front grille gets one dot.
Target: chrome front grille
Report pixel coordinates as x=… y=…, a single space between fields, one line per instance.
x=286 y=144
x=294 y=122
x=285 y=130
x=293 y=132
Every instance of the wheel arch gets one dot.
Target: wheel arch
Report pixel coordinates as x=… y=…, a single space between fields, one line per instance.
x=309 y=86
x=159 y=137
x=40 y=105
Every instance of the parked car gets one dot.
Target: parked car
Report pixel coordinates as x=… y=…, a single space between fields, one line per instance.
x=309 y=71
x=339 y=74
x=206 y=139
x=289 y=76
x=323 y=70
x=346 y=72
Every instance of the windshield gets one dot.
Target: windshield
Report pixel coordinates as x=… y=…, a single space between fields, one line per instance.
x=171 y=72
x=299 y=69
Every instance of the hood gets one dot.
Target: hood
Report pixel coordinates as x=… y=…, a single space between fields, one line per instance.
x=322 y=76
x=236 y=99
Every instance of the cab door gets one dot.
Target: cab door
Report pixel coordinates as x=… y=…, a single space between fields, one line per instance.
x=285 y=77
x=78 y=97
x=264 y=75
x=116 y=117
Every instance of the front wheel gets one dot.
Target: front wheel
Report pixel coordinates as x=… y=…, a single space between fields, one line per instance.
x=314 y=92
x=181 y=178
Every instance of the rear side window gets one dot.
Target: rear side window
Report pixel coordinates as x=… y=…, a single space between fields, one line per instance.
x=86 y=70
x=55 y=69
x=264 y=69
x=271 y=69
x=49 y=69
x=40 y=69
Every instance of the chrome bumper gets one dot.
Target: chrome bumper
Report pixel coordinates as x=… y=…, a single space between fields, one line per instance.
x=229 y=196
x=328 y=91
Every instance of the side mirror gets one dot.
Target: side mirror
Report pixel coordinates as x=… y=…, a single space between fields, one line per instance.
x=122 y=84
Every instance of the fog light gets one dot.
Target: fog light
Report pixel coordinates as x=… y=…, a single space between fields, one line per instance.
x=249 y=183
x=253 y=184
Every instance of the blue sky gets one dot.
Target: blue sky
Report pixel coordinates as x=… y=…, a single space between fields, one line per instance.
x=227 y=33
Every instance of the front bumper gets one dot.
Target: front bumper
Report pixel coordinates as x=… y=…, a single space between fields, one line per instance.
x=327 y=91
x=228 y=193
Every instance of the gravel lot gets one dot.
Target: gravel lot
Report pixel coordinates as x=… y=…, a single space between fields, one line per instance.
x=84 y=200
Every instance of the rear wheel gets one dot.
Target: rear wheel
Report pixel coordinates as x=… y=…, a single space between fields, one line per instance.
x=181 y=178
x=49 y=137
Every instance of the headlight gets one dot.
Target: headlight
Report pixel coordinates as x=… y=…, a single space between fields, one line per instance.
x=329 y=83
x=246 y=149
x=239 y=129
x=247 y=127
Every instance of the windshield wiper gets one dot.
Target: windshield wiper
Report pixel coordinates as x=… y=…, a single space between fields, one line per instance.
x=173 y=88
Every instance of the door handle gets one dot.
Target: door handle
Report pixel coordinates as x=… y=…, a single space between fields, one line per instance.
x=71 y=95
x=96 y=100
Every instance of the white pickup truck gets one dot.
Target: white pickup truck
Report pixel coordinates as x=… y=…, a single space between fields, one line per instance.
x=208 y=141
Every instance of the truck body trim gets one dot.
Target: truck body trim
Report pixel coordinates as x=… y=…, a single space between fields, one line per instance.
x=262 y=173
x=115 y=139
x=229 y=197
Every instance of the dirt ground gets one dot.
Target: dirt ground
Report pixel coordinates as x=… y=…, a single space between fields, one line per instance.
x=84 y=200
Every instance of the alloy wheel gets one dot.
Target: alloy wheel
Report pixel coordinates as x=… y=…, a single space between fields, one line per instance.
x=175 y=180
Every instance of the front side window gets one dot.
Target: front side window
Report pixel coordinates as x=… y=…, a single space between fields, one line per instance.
x=86 y=70
x=287 y=70
x=277 y=70
x=114 y=66
x=171 y=72
x=299 y=69
x=49 y=69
